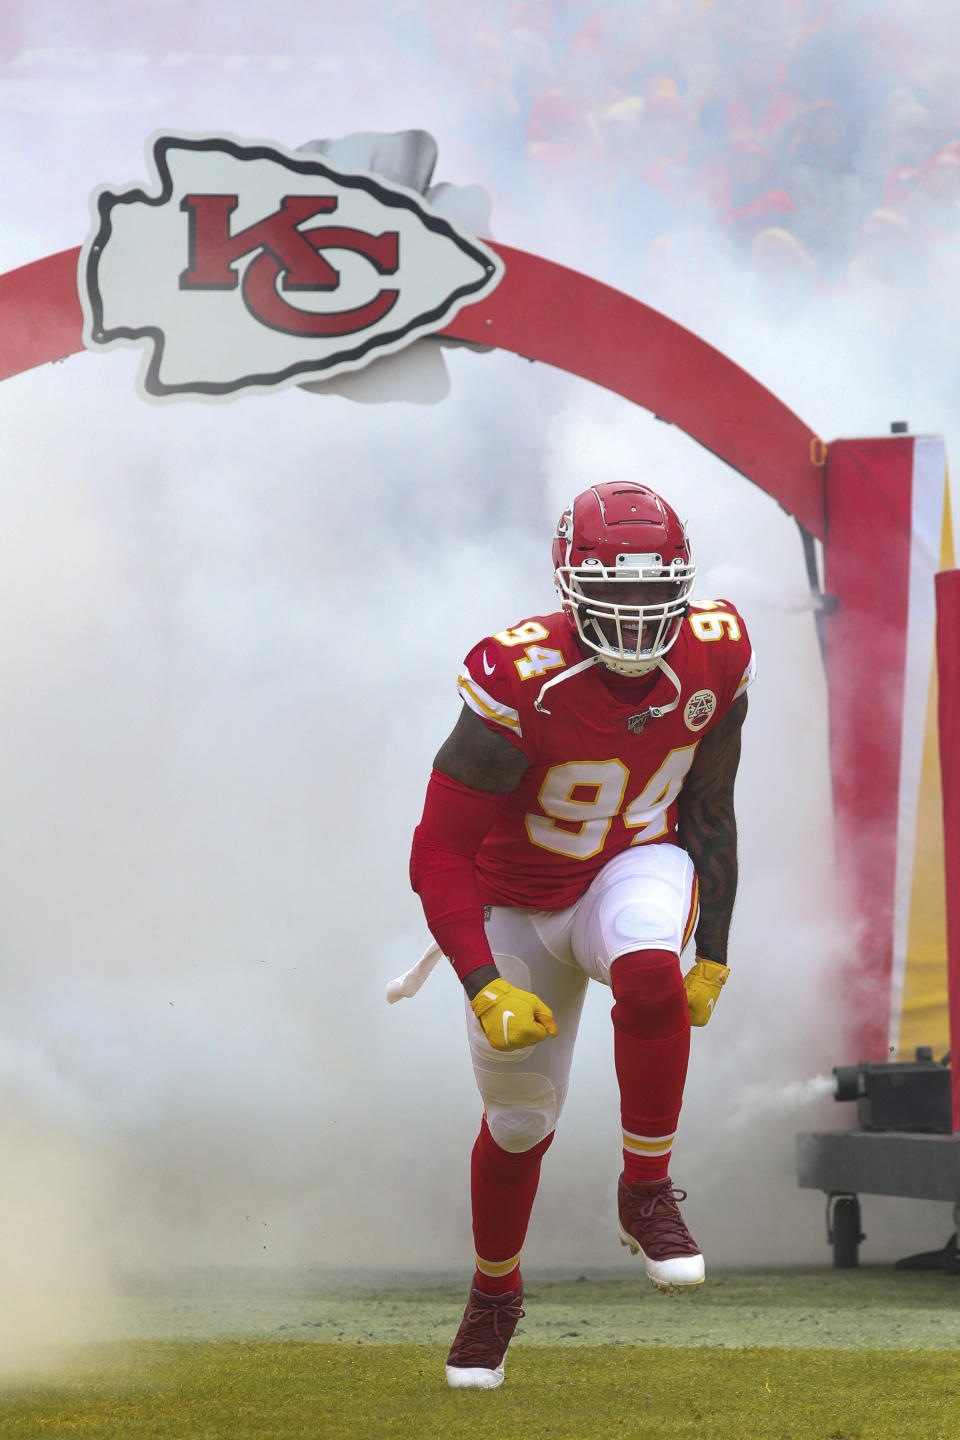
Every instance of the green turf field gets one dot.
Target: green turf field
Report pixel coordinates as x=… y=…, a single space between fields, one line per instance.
x=874 y=1307
x=261 y=1390
x=870 y=1354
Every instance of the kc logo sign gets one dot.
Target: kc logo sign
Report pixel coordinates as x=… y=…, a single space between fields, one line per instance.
x=251 y=267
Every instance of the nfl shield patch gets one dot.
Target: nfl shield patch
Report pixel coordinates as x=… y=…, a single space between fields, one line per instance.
x=699 y=709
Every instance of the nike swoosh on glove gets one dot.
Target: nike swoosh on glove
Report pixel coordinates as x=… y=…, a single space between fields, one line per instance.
x=704 y=982
x=510 y=1018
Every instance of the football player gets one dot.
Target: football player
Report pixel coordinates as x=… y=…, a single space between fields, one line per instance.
x=579 y=825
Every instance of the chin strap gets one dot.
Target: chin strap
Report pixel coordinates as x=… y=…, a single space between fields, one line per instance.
x=655 y=711
x=558 y=679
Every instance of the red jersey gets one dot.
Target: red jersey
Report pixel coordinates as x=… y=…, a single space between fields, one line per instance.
x=604 y=773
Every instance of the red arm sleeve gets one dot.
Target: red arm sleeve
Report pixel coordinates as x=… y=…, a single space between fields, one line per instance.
x=445 y=844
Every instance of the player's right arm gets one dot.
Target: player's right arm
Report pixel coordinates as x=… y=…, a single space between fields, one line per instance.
x=474 y=769
x=479 y=757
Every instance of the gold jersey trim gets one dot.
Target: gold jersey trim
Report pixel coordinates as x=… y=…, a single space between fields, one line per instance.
x=483 y=704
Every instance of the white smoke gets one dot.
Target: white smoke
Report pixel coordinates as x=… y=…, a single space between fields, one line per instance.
x=758 y=1102
x=232 y=635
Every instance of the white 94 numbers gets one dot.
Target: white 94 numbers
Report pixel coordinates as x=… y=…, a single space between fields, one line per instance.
x=536 y=659
x=524 y=634
x=581 y=792
x=715 y=625
x=582 y=798
x=648 y=812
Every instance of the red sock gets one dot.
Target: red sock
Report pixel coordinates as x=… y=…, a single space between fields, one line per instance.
x=503 y=1185
x=651 y=1044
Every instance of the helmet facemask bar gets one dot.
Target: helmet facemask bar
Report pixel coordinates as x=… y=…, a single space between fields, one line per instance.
x=630 y=635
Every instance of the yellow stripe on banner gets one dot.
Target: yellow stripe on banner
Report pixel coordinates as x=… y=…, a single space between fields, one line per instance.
x=925 y=1017
x=496 y=1268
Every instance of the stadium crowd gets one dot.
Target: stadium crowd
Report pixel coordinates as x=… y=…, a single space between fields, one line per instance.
x=818 y=140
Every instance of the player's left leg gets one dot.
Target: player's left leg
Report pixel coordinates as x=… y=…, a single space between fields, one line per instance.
x=629 y=932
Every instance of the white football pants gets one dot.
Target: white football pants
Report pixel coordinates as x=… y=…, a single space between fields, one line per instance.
x=644 y=899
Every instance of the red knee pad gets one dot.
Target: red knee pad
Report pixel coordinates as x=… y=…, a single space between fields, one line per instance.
x=650 y=999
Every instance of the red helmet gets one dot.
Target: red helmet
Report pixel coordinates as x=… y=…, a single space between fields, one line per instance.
x=622 y=566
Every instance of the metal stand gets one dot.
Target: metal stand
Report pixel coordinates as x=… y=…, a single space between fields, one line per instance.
x=846 y=1164
x=843 y=1230
x=947 y=1259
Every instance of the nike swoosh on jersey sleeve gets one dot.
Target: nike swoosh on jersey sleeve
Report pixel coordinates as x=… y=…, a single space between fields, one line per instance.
x=483 y=704
x=748 y=676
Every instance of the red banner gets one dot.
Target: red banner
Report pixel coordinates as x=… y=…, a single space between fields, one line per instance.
x=889 y=533
x=867 y=563
x=948 y=662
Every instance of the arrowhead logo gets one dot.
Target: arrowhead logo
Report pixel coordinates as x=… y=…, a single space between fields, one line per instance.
x=250 y=267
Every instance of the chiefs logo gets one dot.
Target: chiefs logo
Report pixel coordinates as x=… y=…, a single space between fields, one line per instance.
x=253 y=267
x=279 y=250
x=699 y=709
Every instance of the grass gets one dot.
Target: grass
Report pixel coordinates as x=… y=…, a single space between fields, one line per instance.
x=818 y=1354
x=285 y=1390
x=874 y=1307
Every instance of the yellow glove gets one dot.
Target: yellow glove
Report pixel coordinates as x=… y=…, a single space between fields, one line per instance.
x=704 y=982
x=512 y=1018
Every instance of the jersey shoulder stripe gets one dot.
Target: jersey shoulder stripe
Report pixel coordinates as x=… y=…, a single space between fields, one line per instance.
x=484 y=705
x=749 y=675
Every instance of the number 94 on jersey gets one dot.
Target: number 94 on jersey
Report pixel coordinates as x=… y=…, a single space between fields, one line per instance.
x=582 y=799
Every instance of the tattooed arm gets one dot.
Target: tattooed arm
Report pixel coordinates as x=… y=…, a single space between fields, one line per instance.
x=477 y=756
x=708 y=829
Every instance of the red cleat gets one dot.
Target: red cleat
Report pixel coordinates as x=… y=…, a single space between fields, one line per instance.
x=476 y=1356
x=650 y=1222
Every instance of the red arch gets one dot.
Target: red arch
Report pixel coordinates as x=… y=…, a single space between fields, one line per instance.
x=544 y=312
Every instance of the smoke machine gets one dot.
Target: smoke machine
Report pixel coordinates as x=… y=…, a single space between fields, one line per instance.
x=903 y=1144
x=910 y=1095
